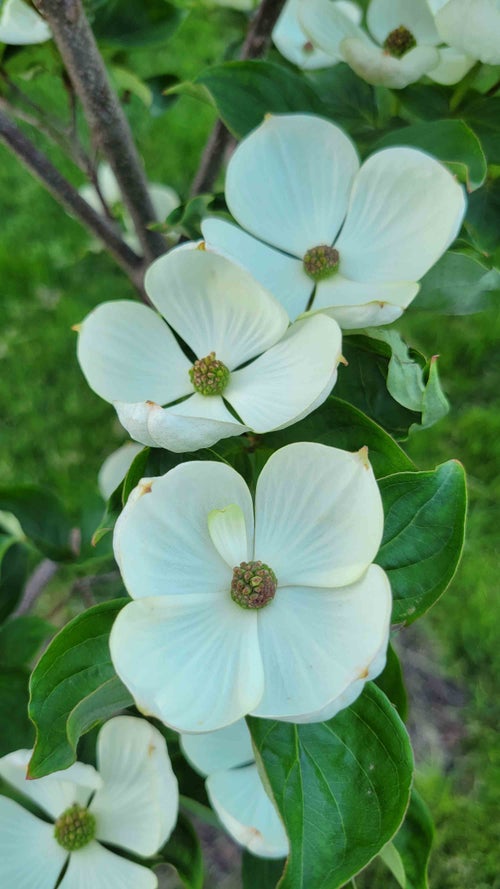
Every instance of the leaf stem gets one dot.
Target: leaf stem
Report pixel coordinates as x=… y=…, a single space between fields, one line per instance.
x=220 y=140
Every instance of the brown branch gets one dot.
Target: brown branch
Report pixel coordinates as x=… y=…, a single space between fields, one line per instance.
x=85 y=67
x=256 y=44
x=39 y=165
x=36 y=583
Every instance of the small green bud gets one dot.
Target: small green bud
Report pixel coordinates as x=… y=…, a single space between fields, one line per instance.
x=209 y=376
x=253 y=585
x=399 y=42
x=75 y=828
x=321 y=262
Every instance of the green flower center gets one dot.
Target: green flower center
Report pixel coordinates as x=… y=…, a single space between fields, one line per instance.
x=209 y=376
x=399 y=42
x=253 y=585
x=75 y=828
x=321 y=262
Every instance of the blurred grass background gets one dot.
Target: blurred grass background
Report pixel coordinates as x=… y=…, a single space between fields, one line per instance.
x=56 y=432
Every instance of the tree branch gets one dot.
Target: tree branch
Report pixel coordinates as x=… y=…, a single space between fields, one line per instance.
x=36 y=583
x=68 y=196
x=108 y=124
x=256 y=44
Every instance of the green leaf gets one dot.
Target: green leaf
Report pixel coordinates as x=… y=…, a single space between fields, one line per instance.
x=392 y=860
x=21 y=638
x=135 y=23
x=42 y=518
x=347 y=99
x=127 y=81
x=13 y=571
x=341 y=425
x=483 y=116
x=423 y=101
x=263 y=873
x=112 y=510
x=341 y=787
x=246 y=91
x=73 y=687
x=413 y=842
x=392 y=683
x=423 y=536
x=483 y=217
x=391 y=383
x=17 y=731
x=187 y=217
x=450 y=141
x=458 y=284
x=183 y=851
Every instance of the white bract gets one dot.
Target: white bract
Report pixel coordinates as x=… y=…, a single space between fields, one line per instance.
x=323 y=233
x=236 y=793
x=21 y=25
x=270 y=374
x=471 y=27
x=115 y=468
x=130 y=803
x=163 y=198
x=401 y=46
x=295 y=45
x=285 y=618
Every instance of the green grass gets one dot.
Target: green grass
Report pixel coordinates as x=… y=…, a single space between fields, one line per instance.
x=55 y=431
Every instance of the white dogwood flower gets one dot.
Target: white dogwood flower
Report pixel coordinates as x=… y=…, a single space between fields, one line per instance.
x=235 y=790
x=20 y=25
x=130 y=803
x=286 y=620
x=294 y=44
x=246 y=358
x=471 y=27
x=400 y=46
x=323 y=233
x=115 y=467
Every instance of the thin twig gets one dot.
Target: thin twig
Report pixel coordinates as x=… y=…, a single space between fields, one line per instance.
x=108 y=124
x=256 y=44
x=36 y=583
x=39 y=165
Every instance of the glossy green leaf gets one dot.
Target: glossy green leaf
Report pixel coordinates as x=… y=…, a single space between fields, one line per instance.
x=423 y=535
x=450 y=141
x=135 y=23
x=341 y=787
x=42 y=518
x=16 y=731
x=263 y=873
x=483 y=115
x=483 y=217
x=347 y=99
x=245 y=91
x=392 y=860
x=392 y=683
x=21 y=639
x=73 y=687
x=183 y=851
x=341 y=425
x=13 y=571
x=458 y=284
x=413 y=842
x=422 y=101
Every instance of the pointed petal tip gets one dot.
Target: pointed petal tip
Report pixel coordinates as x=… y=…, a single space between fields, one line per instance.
x=363 y=456
x=343 y=360
x=76 y=327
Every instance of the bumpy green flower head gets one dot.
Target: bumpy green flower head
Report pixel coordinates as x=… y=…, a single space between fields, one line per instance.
x=321 y=262
x=75 y=828
x=209 y=376
x=253 y=585
x=399 y=42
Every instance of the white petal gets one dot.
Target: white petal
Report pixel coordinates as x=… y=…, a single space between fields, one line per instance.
x=381 y=69
x=357 y=304
x=472 y=28
x=228 y=533
x=288 y=182
x=161 y=540
x=193 y=661
x=198 y=422
x=244 y=808
x=294 y=44
x=21 y=25
x=384 y=16
x=318 y=643
x=134 y=418
x=127 y=353
x=29 y=853
x=137 y=806
x=215 y=305
x=115 y=467
x=453 y=65
x=56 y=792
x=319 y=517
x=95 y=867
x=228 y=748
x=284 y=383
x=405 y=211
x=327 y=25
x=282 y=275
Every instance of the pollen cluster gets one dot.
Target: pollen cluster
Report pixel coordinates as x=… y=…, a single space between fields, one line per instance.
x=321 y=262
x=75 y=828
x=209 y=376
x=253 y=585
x=399 y=42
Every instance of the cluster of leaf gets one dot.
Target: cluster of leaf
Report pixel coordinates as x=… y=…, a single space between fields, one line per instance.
x=343 y=787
